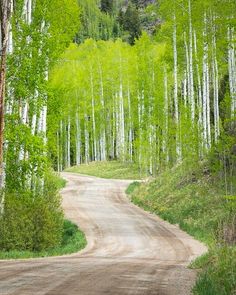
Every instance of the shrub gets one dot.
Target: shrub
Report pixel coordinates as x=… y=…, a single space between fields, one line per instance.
x=32 y=221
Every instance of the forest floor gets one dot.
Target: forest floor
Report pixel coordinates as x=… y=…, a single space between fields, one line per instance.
x=129 y=251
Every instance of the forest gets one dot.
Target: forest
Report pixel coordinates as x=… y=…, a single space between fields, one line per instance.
x=168 y=98
x=145 y=83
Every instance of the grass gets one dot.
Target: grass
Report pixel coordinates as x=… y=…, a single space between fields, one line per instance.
x=110 y=170
x=219 y=272
x=194 y=199
x=73 y=240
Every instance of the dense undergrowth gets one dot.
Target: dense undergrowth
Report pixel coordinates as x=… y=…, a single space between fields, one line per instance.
x=72 y=241
x=195 y=199
x=33 y=225
x=110 y=170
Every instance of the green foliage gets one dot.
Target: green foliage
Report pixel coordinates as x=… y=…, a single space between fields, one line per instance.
x=96 y=23
x=219 y=273
x=130 y=22
x=31 y=220
x=110 y=170
x=107 y=6
x=189 y=195
x=131 y=188
x=73 y=240
x=36 y=46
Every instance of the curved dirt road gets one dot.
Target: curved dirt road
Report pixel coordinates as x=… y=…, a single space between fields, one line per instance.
x=129 y=251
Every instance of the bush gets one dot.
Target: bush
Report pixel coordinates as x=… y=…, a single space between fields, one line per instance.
x=73 y=240
x=32 y=221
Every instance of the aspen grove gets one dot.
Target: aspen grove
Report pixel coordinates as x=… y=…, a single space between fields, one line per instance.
x=32 y=37
x=157 y=103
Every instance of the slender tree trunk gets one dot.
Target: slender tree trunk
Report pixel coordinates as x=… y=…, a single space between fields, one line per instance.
x=122 y=124
x=86 y=135
x=58 y=152
x=191 y=81
x=215 y=89
x=166 y=118
x=61 y=145
x=176 y=112
x=68 y=143
x=199 y=106
x=93 y=118
x=130 y=130
x=185 y=88
x=232 y=72
x=206 y=93
x=102 y=127
x=78 y=140
x=5 y=14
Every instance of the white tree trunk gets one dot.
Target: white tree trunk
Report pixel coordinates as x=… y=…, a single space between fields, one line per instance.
x=58 y=153
x=215 y=90
x=166 y=116
x=191 y=81
x=86 y=135
x=61 y=145
x=200 y=99
x=68 y=143
x=122 y=124
x=232 y=71
x=78 y=140
x=93 y=118
x=206 y=93
x=176 y=111
x=130 y=130
x=102 y=127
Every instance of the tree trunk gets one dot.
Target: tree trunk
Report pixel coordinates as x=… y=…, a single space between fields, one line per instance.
x=5 y=14
x=232 y=72
x=191 y=81
x=93 y=117
x=176 y=111
x=68 y=143
x=78 y=140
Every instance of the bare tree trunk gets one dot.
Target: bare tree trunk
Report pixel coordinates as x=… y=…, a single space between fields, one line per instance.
x=78 y=140
x=5 y=14
x=176 y=112
x=166 y=111
x=199 y=106
x=122 y=124
x=216 y=89
x=93 y=117
x=86 y=135
x=232 y=71
x=191 y=82
x=102 y=127
x=68 y=143
x=206 y=93
x=130 y=130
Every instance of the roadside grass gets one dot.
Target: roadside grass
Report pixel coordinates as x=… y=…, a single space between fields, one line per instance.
x=194 y=199
x=109 y=170
x=73 y=240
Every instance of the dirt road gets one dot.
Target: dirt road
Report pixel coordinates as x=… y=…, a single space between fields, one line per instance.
x=129 y=251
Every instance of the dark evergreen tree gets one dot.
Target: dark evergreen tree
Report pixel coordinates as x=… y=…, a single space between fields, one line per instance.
x=107 y=6
x=129 y=20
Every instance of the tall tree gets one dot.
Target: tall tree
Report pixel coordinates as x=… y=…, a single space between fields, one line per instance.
x=5 y=15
